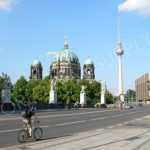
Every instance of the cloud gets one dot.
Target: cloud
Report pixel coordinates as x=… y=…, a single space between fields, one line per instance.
x=51 y=53
x=6 y=5
x=139 y=6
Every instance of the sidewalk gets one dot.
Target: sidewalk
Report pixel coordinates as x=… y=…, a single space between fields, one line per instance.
x=133 y=135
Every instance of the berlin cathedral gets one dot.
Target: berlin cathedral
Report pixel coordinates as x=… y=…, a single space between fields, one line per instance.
x=65 y=65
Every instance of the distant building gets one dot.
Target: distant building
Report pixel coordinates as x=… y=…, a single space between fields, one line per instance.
x=36 y=70
x=142 y=88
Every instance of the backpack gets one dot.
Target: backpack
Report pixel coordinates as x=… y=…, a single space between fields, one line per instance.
x=29 y=114
x=29 y=111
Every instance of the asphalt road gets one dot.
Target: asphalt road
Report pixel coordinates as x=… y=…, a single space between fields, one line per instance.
x=66 y=123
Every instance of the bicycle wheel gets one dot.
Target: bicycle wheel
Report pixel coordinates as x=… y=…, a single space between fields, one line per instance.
x=22 y=136
x=37 y=133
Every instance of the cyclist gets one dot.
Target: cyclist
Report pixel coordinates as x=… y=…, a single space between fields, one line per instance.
x=27 y=115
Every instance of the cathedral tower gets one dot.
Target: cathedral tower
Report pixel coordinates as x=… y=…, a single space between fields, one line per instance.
x=88 y=70
x=36 y=70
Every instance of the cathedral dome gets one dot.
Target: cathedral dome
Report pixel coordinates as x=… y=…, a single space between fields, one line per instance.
x=36 y=62
x=65 y=64
x=66 y=55
x=88 y=61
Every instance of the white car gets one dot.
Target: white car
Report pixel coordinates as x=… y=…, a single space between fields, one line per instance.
x=128 y=106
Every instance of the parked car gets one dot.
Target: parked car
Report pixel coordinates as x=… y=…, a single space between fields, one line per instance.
x=128 y=106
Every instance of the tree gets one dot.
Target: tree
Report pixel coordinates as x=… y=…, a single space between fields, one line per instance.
x=19 y=91
x=40 y=93
x=109 y=97
x=130 y=95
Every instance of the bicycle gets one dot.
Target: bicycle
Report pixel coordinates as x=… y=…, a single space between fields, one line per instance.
x=23 y=134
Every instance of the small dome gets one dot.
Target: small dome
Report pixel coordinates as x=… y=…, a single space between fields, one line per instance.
x=36 y=62
x=88 y=61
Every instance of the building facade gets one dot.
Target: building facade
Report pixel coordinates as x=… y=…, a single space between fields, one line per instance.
x=142 y=88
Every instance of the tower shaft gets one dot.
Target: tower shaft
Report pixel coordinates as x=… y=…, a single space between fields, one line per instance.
x=120 y=86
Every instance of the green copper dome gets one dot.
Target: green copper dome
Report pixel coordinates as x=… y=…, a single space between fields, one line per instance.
x=36 y=62
x=66 y=55
x=88 y=61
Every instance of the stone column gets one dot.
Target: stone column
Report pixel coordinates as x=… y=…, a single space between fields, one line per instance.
x=53 y=93
x=6 y=90
x=103 y=90
x=83 y=96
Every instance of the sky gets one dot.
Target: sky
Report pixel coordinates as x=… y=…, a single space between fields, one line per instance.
x=35 y=29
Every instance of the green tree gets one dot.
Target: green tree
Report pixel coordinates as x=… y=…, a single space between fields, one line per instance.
x=32 y=84
x=19 y=91
x=40 y=93
x=109 y=97
x=130 y=95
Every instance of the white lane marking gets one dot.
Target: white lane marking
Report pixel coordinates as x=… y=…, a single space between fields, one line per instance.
x=99 y=129
x=119 y=124
x=132 y=121
x=137 y=119
x=10 y=118
x=98 y=118
x=73 y=117
x=65 y=123
x=126 y=122
x=116 y=115
x=110 y=127
x=46 y=126
x=12 y=130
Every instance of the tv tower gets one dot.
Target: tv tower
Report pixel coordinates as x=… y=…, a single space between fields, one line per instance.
x=120 y=53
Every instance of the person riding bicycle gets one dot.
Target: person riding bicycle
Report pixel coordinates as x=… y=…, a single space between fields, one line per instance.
x=27 y=115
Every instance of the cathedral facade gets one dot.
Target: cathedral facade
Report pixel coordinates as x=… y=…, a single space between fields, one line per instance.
x=65 y=65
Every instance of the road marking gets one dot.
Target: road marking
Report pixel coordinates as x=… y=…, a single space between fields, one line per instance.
x=73 y=117
x=119 y=124
x=110 y=127
x=116 y=115
x=66 y=123
x=126 y=122
x=46 y=126
x=98 y=118
x=132 y=121
x=99 y=129
x=12 y=130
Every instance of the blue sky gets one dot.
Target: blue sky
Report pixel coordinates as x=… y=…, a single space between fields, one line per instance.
x=36 y=28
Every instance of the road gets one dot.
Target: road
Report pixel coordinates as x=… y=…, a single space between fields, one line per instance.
x=56 y=124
